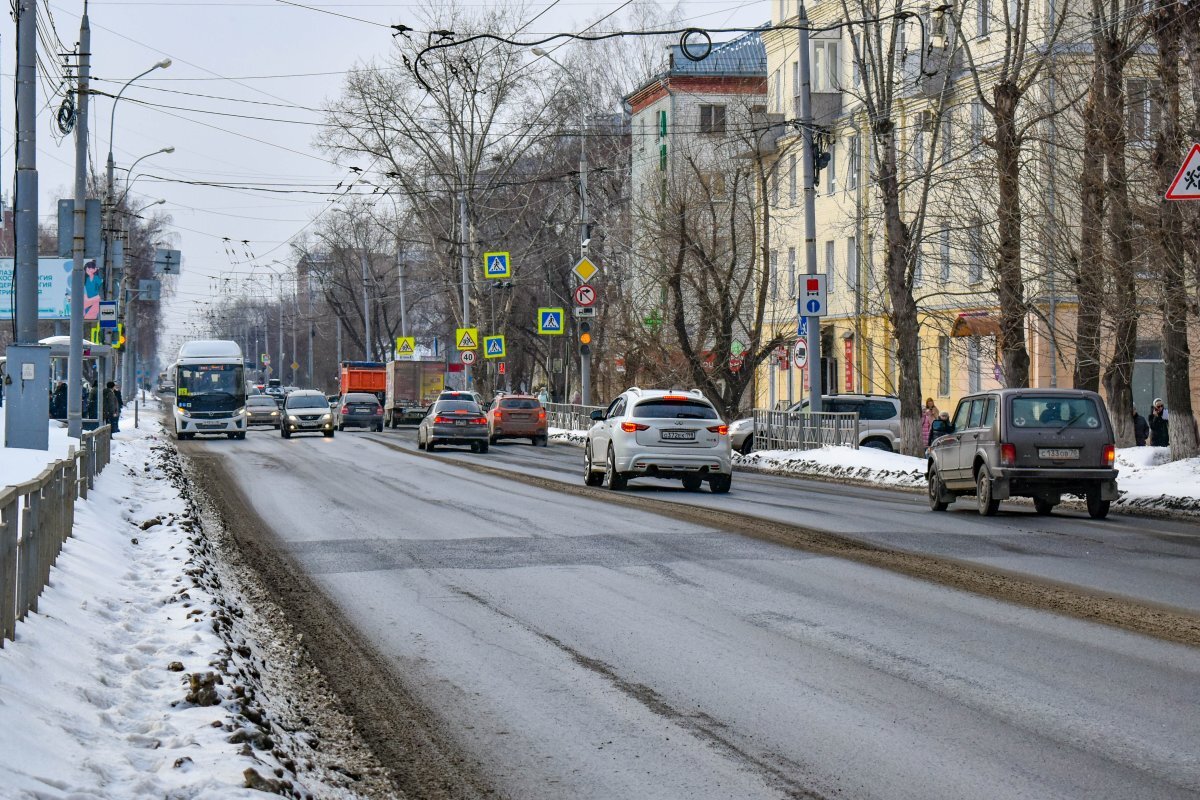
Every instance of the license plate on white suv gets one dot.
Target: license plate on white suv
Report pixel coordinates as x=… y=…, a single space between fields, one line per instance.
x=678 y=436
x=1058 y=454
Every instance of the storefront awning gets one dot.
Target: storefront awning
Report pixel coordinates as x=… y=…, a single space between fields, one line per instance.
x=975 y=323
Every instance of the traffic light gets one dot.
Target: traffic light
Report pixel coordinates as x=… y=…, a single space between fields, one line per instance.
x=119 y=342
x=585 y=337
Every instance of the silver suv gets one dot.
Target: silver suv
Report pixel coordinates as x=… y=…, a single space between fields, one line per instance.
x=878 y=420
x=651 y=433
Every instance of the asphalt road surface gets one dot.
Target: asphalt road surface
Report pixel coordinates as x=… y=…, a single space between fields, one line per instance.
x=574 y=647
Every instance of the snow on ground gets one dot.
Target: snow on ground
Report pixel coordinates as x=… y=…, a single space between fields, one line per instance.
x=566 y=436
x=18 y=465
x=130 y=681
x=1149 y=480
x=865 y=465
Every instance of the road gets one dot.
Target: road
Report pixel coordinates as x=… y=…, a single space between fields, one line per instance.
x=576 y=647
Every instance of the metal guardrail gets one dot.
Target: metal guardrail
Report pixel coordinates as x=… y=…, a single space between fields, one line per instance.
x=570 y=417
x=35 y=520
x=782 y=430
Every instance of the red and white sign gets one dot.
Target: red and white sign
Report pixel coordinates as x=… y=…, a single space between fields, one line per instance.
x=467 y=357
x=585 y=294
x=1186 y=185
x=849 y=365
x=500 y=368
x=800 y=354
x=735 y=363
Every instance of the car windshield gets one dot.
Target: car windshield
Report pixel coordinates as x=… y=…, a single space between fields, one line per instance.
x=519 y=402
x=1055 y=412
x=307 y=401
x=262 y=400
x=456 y=405
x=674 y=408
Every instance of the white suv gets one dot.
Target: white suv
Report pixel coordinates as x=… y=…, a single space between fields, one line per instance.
x=649 y=433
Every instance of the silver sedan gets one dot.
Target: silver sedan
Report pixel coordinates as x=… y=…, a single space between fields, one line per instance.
x=458 y=422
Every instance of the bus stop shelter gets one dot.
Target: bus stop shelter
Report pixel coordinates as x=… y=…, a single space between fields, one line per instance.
x=97 y=362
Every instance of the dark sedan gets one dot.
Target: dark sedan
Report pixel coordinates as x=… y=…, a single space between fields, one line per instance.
x=262 y=409
x=459 y=422
x=359 y=410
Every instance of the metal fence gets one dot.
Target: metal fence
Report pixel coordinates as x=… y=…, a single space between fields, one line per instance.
x=36 y=518
x=783 y=430
x=570 y=417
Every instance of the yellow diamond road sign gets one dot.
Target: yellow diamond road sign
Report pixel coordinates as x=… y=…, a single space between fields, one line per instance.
x=406 y=345
x=467 y=338
x=585 y=269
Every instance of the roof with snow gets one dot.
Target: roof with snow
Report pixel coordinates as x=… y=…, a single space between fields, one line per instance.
x=743 y=56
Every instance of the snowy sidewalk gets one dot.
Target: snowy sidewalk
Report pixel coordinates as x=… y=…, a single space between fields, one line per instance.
x=139 y=676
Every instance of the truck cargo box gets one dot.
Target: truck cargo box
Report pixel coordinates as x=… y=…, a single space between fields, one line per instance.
x=411 y=387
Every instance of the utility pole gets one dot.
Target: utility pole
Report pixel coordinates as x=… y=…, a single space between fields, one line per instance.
x=585 y=350
x=295 y=314
x=27 y=397
x=400 y=269
x=465 y=258
x=281 y=361
x=75 y=356
x=362 y=257
x=810 y=211
x=312 y=329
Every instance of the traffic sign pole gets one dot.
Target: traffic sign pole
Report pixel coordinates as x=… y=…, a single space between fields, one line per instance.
x=810 y=202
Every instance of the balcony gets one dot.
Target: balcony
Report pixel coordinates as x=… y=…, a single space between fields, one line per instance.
x=826 y=107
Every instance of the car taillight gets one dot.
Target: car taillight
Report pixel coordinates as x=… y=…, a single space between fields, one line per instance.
x=378 y=409
x=720 y=430
x=631 y=427
x=1008 y=455
x=442 y=420
x=542 y=415
x=480 y=420
x=345 y=409
x=498 y=414
x=1110 y=454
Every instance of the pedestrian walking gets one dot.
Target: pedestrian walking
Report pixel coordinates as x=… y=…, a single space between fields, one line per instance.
x=940 y=427
x=1141 y=429
x=543 y=396
x=112 y=407
x=58 y=401
x=1160 y=433
x=928 y=415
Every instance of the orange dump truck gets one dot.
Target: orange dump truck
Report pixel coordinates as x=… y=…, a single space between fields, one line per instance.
x=363 y=376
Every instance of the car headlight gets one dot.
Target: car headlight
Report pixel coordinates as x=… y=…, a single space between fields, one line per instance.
x=274 y=413
x=292 y=418
x=326 y=417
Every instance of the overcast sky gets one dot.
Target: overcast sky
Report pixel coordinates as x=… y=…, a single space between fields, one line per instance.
x=234 y=52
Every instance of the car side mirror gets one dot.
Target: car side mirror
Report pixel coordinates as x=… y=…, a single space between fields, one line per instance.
x=597 y=415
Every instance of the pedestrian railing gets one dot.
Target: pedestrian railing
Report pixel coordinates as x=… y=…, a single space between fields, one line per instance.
x=784 y=430
x=570 y=417
x=35 y=520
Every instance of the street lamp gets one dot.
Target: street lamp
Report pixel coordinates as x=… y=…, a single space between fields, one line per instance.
x=129 y=179
x=585 y=349
x=148 y=205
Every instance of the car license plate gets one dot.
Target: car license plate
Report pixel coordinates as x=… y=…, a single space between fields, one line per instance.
x=1057 y=454
x=679 y=436
x=460 y=422
x=210 y=426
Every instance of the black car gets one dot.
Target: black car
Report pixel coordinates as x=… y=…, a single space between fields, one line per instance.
x=359 y=410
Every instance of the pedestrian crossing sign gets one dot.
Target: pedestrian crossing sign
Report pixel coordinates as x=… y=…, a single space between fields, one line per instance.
x=467 y=338
x=405 y=346
x=493 y=347
x=496 y=265
x=550 y=321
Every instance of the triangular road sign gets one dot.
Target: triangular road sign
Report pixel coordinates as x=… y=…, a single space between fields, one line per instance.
x=467 y=338
x=1186 y=185
x=405 y=345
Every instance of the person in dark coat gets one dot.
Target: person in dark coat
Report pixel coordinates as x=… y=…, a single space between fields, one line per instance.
x=940 y=427
x=112 y=407
x=58 y=401
x=1141 y=429
x=1160 y=432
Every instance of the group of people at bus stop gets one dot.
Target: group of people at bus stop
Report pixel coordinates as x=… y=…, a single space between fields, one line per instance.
x=108 y=403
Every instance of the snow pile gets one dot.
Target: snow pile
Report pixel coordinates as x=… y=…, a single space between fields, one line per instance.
x=18 y=465
x=866 y=465
x=130 y=681
x=567 y=436
x=1149 y=480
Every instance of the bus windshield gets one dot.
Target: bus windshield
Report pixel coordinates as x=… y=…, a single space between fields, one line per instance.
x=210 y=387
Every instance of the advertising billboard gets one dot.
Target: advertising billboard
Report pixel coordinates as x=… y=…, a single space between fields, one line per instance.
x=54 y=288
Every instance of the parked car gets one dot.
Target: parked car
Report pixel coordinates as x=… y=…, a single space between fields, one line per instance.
x=306 y=411
x=878 y=420
x=517 y=416
x=262 y=409
x=459 y=422
x=1038 y=443
x=650 y=433
x=359 y=410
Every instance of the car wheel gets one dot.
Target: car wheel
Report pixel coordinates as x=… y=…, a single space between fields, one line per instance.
x=483 y=448
x=231 y=435
x=747 y=445
x=878 y=444
x=1097 y=508
x=543 y=440
x=983 y=494
x=379 y=427
x=590 y=476
x=692 y=483
x=491 y=440
x=341 y=426
x=328 y=434
x=719 y=484
x=430 y=446
x=935 y=492
x=1042 y=507
x=613 y=479
x=284 y=433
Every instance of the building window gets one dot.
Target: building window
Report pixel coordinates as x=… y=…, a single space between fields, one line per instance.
x=791 y=272
x=943 y=366
x=830 y=267
x=944 y=247
x=714 y=184
x=976 y=127
x=1143 y=111
x=825 y=67
x=712 y=119
x=662 y=157
x=831 y=170
x=856 y=53
x=870 y=262
x=974 y=373
x=947 y=139
x=868 y=369
x=642 y=134
x=775 y=185
x=852 y=263
x=774 y=274
x=792 y=179
x=662 y=124
x=852 y=164
x=983 y=20
x=918 y=265
x=975 y=253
